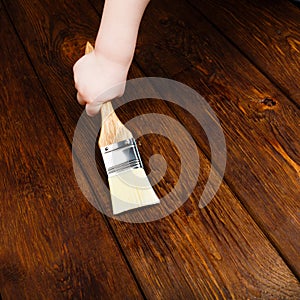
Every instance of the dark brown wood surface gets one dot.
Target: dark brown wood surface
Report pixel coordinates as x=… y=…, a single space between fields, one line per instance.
x=268 y=32
x=220 y=252
x=176 y=42
x=237 y=91
x=54 y=245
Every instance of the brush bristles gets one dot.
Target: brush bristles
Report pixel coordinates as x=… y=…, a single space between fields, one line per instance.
x=131 y=189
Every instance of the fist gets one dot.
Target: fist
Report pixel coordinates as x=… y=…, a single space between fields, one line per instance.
x=97 y=80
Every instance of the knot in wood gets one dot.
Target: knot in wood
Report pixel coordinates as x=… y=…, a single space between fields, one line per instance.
x=268 y=101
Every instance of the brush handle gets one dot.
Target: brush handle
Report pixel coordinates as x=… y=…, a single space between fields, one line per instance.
x=106 y=110
x=112 y=130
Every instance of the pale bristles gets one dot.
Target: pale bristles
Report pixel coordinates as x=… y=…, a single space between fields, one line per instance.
x=127 y=195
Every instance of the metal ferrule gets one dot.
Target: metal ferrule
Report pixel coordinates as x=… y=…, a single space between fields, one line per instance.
x=121 y=157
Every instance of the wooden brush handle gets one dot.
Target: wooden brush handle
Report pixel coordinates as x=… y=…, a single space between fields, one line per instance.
x=106 y=111
x=112 y=130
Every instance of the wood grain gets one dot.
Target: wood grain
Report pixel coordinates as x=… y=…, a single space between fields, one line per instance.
x=261 y=125
x=171 y=255
x=268 y=32
x=54 y=245
x=215 y=253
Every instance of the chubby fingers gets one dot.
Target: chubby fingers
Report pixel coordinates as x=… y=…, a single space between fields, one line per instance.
x=92 y=108
x=80 y=99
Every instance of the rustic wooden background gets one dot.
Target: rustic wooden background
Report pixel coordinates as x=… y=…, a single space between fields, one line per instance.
x=244 y=58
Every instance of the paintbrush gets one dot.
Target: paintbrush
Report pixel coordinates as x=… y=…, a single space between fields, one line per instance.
x=128 y=182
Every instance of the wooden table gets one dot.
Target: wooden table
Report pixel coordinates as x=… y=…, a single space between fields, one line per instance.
x=244 y=58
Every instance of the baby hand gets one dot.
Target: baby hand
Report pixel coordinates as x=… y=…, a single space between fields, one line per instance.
x=97 y=80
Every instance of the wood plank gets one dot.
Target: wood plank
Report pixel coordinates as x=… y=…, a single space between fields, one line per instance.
x=205 y=230
x=54 y=245
x=270 y=190
x=217 y=252
x=267 y=31
x=176 y=42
